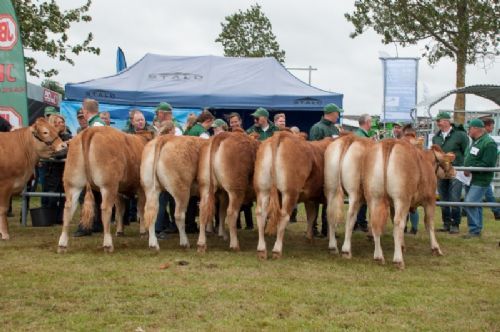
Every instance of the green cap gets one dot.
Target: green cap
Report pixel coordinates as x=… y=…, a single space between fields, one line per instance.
x=219 y=123
x=330 y=108
x=165 y=107
x=400 y=124
x=443 y=116
x=49 y=110
x=476 y=123
x=261 y=111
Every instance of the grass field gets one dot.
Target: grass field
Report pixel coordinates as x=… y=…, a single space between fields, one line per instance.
x=308 y=289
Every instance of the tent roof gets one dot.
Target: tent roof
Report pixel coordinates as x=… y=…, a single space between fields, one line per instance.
x=205 y=81
x=491 y=92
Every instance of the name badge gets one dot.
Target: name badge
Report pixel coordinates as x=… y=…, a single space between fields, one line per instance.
x=474 y=151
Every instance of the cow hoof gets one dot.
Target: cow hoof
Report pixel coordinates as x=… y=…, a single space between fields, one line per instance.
x=235 y=249
x=120 y=234
x=108 y=249
x=346 y=254
x=262 y=254
x=399 y=265
x=333 y=251
x=276 y=255
x=5 y=237
x=380 y=260
x=437 y=252
x=62 y=249
x=143 y=235
x=202 y=248
x=156 y=248
x=185 y=246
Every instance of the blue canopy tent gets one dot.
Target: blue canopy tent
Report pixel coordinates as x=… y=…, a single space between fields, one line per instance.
x=222 y=83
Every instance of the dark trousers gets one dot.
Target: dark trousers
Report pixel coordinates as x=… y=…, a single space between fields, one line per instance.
x=191 y=213
x=324 y=222
x=361 y=220
x=247 y=212
x=450 y=190
x=166 y=209
x=53 y=183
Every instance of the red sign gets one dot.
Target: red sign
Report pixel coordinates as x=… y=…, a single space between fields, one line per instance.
x=50 y=97
x=8 y=32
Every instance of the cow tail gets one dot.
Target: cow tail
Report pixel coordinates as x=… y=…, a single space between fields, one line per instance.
x=88 y=208
x=149 y=215
x=274 y=203
x=208 y=207
x=338 y=208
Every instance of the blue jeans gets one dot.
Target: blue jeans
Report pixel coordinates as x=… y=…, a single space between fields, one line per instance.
x=450 y=190
x=490 y=198
x=414 y=220
x=475 y=214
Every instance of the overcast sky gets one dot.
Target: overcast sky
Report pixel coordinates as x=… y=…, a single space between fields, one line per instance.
x=312 y=32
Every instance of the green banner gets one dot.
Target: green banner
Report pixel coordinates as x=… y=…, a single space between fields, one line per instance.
x=13 y=98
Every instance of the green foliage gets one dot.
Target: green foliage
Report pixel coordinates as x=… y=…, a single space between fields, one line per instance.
x=452 y=28
x=44 y=28
x=249 y=34
x=53 y=85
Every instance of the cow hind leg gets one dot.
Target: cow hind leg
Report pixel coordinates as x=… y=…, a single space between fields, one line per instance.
x=400 y=212
x=150 y=211
x=352 y=212
x=261 y=215
x=70 y=206
x=141 y=203
x=4 y=207
x=181 y=203
x=289 y=201
x=233 y=209
x=429 y=225
x=378 y=217
x=311 y=214
x=109 y=196
x=223 y=204
x=119 y=211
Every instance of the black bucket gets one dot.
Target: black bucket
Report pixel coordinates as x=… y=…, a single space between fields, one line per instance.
x=44 y=217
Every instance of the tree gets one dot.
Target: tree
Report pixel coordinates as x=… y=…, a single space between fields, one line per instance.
x=463 y=30
x=249 y=33
x=44 y=28
x=53 y=85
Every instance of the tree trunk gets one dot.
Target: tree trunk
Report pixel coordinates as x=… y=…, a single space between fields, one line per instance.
x=459 y=117
x=461 y=54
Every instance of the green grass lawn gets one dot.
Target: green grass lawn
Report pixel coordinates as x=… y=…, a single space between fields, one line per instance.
x=308 y=289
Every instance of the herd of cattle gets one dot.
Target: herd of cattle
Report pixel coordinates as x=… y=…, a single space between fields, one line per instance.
x=391 y=176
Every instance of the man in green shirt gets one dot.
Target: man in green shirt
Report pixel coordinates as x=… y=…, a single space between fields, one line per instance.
x=326 y=126
x=481 y=153
x=365 y=123
x=262 y=125
x=203 y=123
x=91 y=113
x=453 y=139
x=164 y=113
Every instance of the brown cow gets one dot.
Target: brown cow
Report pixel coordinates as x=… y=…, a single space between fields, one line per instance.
x=343 y=170
x=20 y=151
x=170 y=163
x=396 y=173
x=226 y=171
x=289 y=165
x=108 y=160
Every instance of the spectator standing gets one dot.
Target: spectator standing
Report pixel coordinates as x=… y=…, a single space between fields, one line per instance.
x=453 y=139
x=262 y=125
x=280 y=121
x=325 y=128
x=489 y=126
x=481 y=153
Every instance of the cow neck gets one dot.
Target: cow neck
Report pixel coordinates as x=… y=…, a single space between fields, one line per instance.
x=26 y=140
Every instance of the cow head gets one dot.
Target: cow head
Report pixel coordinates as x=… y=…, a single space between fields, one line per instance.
x=443 y=163
x=46 y=138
